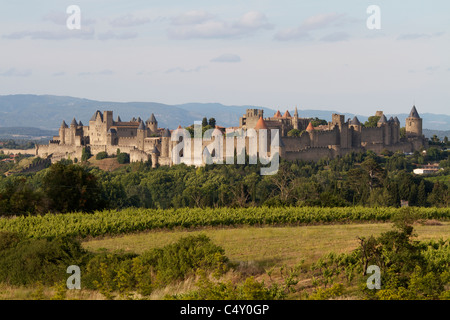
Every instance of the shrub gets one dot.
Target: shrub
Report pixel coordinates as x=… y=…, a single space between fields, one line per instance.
x=177 y=260
x=37 y=260
x=101 y=155
x=123 y=158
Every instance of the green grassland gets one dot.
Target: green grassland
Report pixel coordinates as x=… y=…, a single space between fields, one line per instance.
x=269 y=246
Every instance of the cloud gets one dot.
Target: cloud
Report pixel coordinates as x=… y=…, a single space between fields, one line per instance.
x=182 y=70
x=13 y=72
x=228 y=57
x=320 y=21
x=100 y=73
x=63 y=34
x=110 y=35
x=192 y=17
x=204 y=26
x=129 y=20
x=58 y=74
x=336 y=36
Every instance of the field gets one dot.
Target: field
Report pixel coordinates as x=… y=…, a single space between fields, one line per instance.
x=130 y=220
x=269 y=246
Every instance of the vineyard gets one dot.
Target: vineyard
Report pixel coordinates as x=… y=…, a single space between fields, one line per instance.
x=130 y=220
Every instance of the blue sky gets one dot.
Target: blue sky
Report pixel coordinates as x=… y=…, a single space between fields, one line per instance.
x=276 y=54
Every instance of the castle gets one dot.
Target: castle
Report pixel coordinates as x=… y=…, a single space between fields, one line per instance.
x=144 y=141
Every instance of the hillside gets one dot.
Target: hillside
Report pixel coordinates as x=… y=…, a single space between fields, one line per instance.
x=47 y=112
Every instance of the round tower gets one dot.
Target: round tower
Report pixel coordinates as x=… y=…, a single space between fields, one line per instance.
x=413 y=123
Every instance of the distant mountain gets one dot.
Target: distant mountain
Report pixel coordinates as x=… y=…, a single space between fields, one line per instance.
x=439 y=133
x=48 y=112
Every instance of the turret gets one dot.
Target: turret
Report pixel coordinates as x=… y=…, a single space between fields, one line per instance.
x=295 y=119
x=414 y=123
x=152 y=124
x=165 y=143
x=141 y=135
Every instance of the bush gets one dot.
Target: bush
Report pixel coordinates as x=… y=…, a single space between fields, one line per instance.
x=25 y=262
x=123 y=158
x=101 y=155
x=187 y=255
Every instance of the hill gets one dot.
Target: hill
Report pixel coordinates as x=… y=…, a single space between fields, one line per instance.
x=47 y=112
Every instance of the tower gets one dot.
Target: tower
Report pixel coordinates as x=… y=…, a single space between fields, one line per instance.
x=62 y=132
x=141 y=135
x=383 y=123
x=165 y=144
x=295 y=119
x=414 y=123
x=152 y=124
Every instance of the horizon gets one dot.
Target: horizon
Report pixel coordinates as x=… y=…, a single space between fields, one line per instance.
x=330 y=109
x=267 y=54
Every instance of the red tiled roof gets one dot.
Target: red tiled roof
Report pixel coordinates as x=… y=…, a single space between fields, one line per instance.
x=261 y=124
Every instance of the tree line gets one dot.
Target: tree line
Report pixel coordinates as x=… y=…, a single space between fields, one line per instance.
x=356 y=179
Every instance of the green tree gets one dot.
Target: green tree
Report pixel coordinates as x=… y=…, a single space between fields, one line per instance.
x=70 y=188
x=372 y=122
x=204 y=122
x=294 y=133
x=123 y=158
x=212 y=122
x=85 y=154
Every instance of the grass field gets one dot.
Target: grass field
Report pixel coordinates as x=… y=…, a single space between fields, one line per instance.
x=269 y=246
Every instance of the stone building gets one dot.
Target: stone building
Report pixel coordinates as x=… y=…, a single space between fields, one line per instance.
x=144 y=141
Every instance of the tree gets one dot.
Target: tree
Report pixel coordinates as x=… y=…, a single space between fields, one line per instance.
x=123 y=158
x=204 y=122
x=402 y=132
x=372 y=122
x=422 y=194
x=212 y=122
x=318 y=122
x=70 y=188
x=85 y=154
x=101 y=155
x=294 y=133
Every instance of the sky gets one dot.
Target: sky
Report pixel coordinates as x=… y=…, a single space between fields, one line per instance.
x=276 y=54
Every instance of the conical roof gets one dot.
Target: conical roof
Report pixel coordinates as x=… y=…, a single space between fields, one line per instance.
x=286 y=114
x=414 y=113
x=152 y=118
x=141 y=125
x=277 y=114
x=64 y=124
x=74 y=122
x=166 y=133
x=261 y=124
x=391 y=119
x=139 y=119
x=355 y=121
x=382 y=119
x=94 y=117
x=396 y=120
x=80 y=124
x=310 y=127
x=118 y=119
